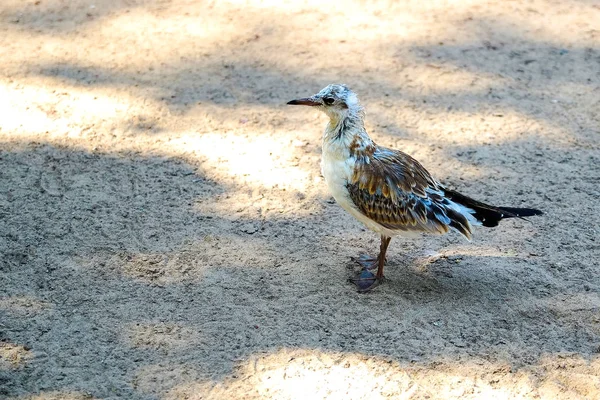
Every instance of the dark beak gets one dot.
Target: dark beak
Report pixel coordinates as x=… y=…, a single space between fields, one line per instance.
x=304 y=102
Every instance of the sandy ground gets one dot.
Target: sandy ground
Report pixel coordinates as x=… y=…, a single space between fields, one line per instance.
x=165 y=232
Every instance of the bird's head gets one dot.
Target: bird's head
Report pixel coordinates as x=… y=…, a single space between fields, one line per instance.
x=337 y=101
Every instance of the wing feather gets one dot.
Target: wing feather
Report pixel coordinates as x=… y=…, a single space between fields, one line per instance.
x=396 y=191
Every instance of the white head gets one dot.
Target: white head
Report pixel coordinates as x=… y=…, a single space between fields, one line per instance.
x=337 y=101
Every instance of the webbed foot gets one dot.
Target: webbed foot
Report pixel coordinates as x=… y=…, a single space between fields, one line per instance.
x=365 y=281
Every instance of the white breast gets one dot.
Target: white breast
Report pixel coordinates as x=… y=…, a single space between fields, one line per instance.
x=337 y=167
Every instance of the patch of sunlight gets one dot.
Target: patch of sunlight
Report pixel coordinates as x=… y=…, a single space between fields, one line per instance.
x=438 y=78
x=568 y=304
x=430 y=256
x=553 y=22
x=569 y=375
x=57 y=111
x=162 y=335
x=316 y=374
x=13 y=355
x=20 y=110
x=460 y=128
x=157 y=378
x=143 y=24
x=438 y=124
x=197 y=261
x=431 y=22
x=337 y=381
x=253 y=159
x=23 y=305
x=164 y=268
x=58 y=395
x=258 y=205
x=357 y=7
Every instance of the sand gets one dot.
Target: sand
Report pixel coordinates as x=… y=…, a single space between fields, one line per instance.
x=165 y=232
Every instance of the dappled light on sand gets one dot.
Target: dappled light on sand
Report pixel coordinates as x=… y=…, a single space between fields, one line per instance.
x=165 y=231
x=59 y=395
x=256 y=159
x=13 y=356
x=291 y=374
x=64 y=113
x=162 y=336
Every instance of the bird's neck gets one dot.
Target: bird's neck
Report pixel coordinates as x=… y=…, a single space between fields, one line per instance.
x=347 y=136
x=341 y=126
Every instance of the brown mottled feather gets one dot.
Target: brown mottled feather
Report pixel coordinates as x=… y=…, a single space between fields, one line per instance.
x=393 y=189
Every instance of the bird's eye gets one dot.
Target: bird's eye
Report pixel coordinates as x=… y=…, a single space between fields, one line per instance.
x=328 y=100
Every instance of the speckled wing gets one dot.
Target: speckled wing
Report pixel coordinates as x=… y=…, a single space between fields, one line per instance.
x=397 y=192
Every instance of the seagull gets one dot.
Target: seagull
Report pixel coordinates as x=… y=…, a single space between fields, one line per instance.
x=387 y=190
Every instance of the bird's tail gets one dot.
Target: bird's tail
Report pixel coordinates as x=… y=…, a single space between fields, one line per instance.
x=489 y=215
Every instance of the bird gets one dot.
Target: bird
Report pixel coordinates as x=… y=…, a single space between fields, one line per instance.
x=387 y=190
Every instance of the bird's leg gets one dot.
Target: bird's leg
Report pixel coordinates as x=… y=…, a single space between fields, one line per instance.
x=385 y=241
x=366 y=280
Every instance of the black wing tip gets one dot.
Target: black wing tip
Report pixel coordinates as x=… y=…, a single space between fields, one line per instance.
x=535 y=211
x=489 y=223
x=522 y=212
